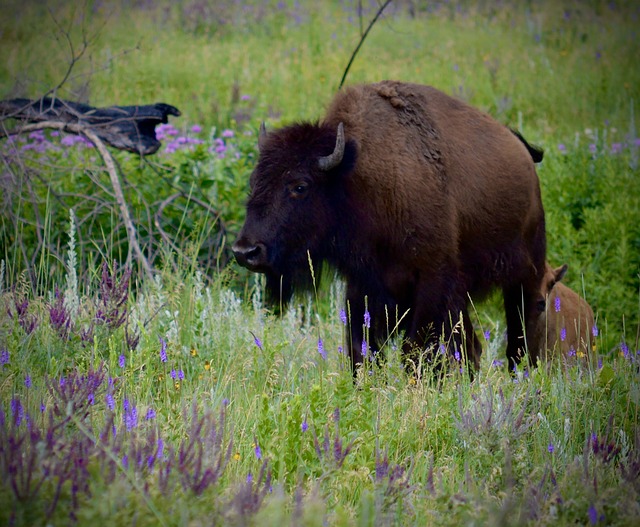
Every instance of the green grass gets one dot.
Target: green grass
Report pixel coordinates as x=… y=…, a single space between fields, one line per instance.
x=549 y=446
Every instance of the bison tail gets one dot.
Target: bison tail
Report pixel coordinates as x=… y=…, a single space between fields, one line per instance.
x=535 y=152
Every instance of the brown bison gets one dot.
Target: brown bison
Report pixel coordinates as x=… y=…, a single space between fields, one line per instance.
x=417 y=199
x=565 y=322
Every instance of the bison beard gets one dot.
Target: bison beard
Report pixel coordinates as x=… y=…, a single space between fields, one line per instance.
x=418 y=200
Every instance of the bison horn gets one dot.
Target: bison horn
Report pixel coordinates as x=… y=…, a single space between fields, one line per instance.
x=334 y=159
x=262 y=136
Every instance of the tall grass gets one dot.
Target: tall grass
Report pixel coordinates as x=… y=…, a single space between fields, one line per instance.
x=183 y=400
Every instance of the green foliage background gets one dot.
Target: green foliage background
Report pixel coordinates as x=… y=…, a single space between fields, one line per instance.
x=564 y=73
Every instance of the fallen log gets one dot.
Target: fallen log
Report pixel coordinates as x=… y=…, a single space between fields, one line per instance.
x=130 y=128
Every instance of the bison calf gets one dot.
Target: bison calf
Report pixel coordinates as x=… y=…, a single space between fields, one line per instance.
x=418 y=199
x=565 y=323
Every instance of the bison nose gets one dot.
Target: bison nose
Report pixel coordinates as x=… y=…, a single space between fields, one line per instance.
x=249 y=255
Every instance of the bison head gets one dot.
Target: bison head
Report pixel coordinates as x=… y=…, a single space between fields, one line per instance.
x=296 y=204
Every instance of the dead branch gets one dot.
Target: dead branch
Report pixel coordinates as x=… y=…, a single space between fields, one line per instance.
x=362 y=38
x=88 y=132
x=124 y=210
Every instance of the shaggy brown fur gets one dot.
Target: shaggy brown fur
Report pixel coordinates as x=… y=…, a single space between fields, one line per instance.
x=431 y=200
x=565 y=325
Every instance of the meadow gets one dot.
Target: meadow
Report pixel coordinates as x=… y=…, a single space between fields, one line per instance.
x=181 y=399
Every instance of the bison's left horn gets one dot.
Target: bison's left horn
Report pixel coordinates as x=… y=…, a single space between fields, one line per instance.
x=334 y=159
x=262 y=136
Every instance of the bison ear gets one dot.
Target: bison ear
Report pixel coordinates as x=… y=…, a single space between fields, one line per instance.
x=560 y=272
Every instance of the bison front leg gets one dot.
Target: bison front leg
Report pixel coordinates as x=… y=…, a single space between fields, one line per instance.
x=473 y=347
x=520 y=311
x=355 y=328
x=440 y=323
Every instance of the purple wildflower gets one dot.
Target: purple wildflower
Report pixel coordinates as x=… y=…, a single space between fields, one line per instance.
x=174 y=374
x=562 y=148
x=245 y=97
x=131 y=418
x=257 y=450
x=340 y=350
x=228 y=133
x=616 y=148
x=59 y=316
x=593 y=515
x=593 y=148
x=112 y=305
x=151 y=414
x=572 y=352
x=110 y=402
x=180 y=375
x=563 y=334
x=365 y=348
x=17 y=411
x=624 y=349
x=594 y=330
x=321 y=349
x=367 y=319
x=163 y=350
x=556 y=304
x=225 y=401
x=27 y=381
x=550 y=448
x=487 y=335
x=343 y=317
x=196 y=129
x=121 y=361
x=256 y=341
x=456 y=355
x=442 y=349
x=4 y=357
x=497 y=363
x=304 y=426
x=91 y=399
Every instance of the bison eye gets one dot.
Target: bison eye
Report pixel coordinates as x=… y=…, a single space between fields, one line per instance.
x=298 y=189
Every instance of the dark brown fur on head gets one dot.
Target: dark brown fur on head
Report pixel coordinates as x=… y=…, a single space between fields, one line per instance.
x=296 y=206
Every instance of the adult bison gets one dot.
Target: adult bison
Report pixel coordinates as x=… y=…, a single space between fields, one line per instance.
x=417 y=199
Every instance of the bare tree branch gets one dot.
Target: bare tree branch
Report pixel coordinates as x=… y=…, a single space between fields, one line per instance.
x=364 y=36
x=124 y=210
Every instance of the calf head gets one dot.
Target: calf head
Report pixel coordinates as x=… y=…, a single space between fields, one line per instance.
x=551 y=278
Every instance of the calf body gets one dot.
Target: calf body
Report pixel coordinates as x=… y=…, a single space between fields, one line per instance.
x=417 y=199
x=565 y=325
